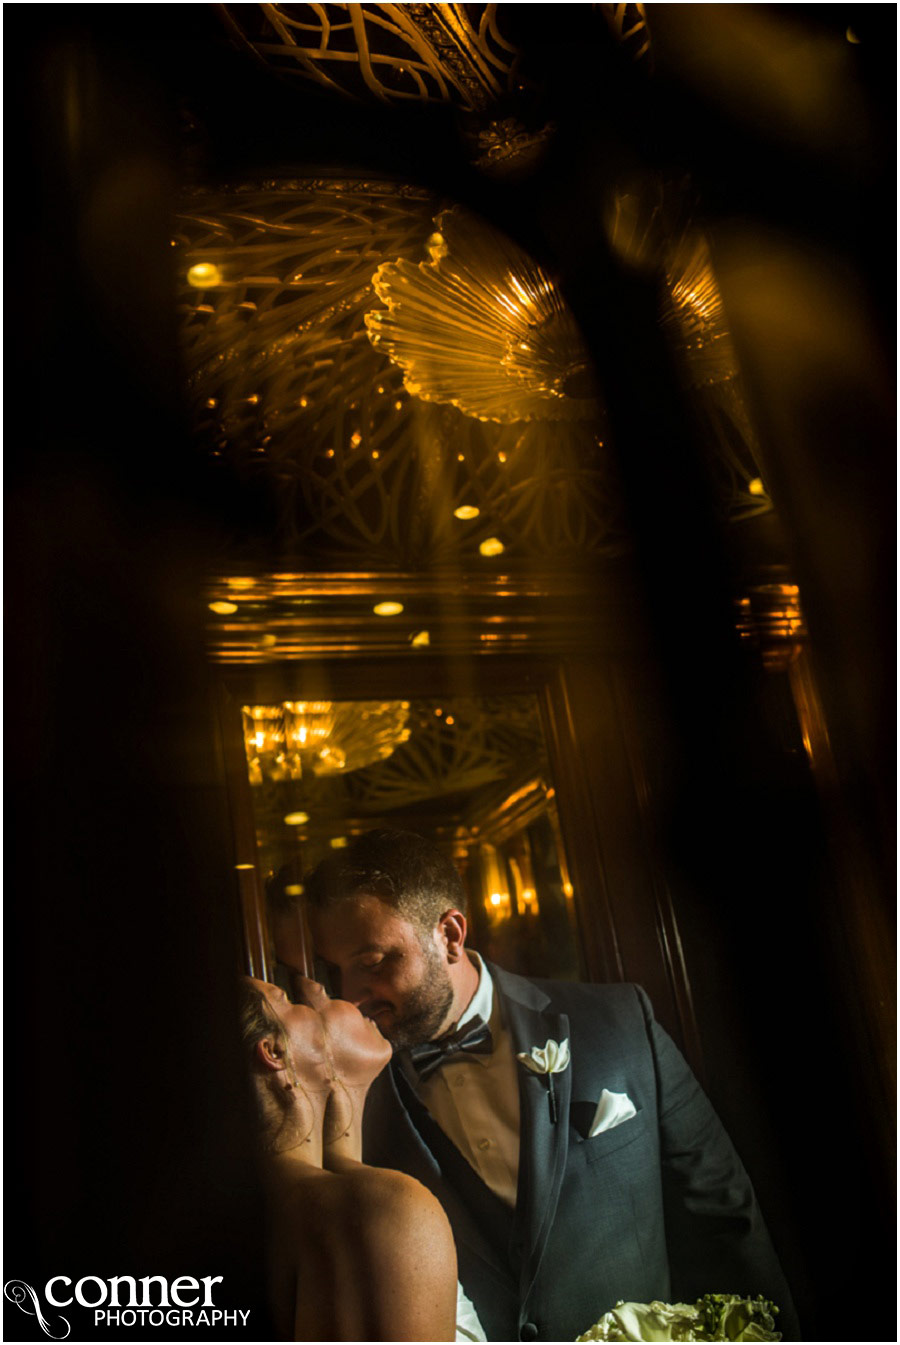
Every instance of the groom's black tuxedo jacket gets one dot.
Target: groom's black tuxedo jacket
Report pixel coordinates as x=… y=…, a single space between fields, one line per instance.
x=658 y=1207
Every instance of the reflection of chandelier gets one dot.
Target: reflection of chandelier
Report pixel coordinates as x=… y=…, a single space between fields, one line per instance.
x=283 y=741
x=482 y=327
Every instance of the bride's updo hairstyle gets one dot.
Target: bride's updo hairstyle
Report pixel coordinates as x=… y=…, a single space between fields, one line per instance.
x=284 y=1110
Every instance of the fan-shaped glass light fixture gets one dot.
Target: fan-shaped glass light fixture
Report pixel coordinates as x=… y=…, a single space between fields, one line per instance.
x=325 y=737
x=481 y=326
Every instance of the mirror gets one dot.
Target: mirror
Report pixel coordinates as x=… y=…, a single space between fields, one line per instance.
x=469 y=772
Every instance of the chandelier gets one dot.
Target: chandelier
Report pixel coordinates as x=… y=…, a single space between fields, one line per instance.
x=325 y=737
x=481 y=326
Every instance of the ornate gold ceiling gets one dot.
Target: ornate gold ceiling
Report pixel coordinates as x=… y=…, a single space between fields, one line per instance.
x=461 y=758
x=291 y=398
x=395 y=53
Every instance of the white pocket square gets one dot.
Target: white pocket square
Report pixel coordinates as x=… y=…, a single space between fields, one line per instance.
x=612 y=1110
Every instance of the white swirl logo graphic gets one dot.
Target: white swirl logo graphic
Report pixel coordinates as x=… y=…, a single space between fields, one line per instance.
x=18 y=1292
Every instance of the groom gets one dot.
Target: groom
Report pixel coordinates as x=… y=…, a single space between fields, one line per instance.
x=575 y=1154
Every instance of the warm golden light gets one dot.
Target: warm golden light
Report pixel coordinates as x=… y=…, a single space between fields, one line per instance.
x=466 y=511
x=355 y=439
x=496 y=899
x=296 y=819
x=293 y=890
x=244 y=866
x=240 y=581
x=204 y=276
x=388 y=608
x=492 y=546
x=756 y=486
x=568 y=889
x=338 y=842
x=223 y=608
x=421 y=639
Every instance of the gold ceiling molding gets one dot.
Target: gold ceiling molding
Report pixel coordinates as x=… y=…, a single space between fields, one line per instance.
x=770 y=618
x=277 y=618
x=392 y=52
x=289 y=397
x=481 y=326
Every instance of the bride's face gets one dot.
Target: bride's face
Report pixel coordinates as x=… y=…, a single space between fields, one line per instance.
x=323 y=1031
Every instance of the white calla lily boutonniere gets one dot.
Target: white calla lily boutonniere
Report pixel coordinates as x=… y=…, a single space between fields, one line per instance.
x=550 y=1059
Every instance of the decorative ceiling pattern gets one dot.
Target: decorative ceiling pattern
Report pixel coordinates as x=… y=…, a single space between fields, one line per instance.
x=291 y=399
x=395 y=53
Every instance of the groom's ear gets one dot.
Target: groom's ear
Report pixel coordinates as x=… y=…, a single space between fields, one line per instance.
x=451 y=929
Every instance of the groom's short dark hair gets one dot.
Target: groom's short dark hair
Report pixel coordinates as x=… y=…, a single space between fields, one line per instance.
x=401 y=868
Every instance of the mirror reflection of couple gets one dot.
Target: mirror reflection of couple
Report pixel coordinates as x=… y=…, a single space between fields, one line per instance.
x=531 y=1151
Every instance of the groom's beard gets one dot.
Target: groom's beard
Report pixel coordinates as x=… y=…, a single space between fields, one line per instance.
x=426 y=1007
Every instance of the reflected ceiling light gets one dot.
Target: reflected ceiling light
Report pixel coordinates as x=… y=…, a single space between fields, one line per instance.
x=204 y=276
x=223 y=608
x=267 y=641
x=421 y=639
x=466 y=511
x=338 y=842
x=293 y=889
x=284 y=741
x=496 y=899
x=491 y=546
x=244 y=866
x=756 y=486
x=296 y=819
x=240 y=581
x=568 y=889
x=388 y=608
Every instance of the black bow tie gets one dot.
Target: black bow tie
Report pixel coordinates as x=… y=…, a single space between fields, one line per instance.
x=475 y=1037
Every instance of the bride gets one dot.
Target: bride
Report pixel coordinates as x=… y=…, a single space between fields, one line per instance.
x=355 y=1252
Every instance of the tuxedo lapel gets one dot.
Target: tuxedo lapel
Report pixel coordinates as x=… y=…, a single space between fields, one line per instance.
x=543 y=1144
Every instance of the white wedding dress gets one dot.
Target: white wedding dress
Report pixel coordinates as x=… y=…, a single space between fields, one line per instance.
x=468 y=1327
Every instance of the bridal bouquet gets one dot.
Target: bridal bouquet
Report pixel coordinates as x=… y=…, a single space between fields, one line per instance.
x=712 y=1317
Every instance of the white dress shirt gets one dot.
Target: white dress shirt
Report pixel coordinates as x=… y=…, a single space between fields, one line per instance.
x=475 y=1098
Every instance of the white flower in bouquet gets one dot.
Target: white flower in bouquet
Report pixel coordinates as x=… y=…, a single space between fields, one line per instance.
x=713 y=1317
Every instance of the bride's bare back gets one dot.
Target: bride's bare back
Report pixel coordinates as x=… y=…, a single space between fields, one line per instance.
x=360 y=1254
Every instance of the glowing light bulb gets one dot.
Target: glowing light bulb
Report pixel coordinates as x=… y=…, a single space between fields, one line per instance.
x=388 y=608
x=204 y=276
x=296 y=819
x=223 y=608
x=756 y=486
x=496 y=898
x=492 y=546
x=466 y=511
